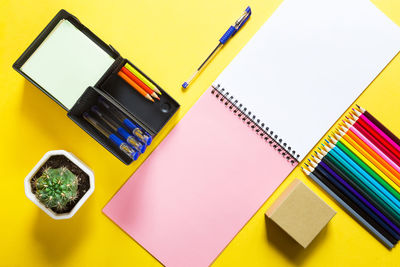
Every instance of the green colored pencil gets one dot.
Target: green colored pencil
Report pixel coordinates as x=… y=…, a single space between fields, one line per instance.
x=368 y=169
x=384 y=195
x=361 y=188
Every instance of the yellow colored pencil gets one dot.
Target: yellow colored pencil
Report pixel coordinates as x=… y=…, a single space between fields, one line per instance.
x=142 y=78
x=372 y=166
x=371 y=162
x=135 y=86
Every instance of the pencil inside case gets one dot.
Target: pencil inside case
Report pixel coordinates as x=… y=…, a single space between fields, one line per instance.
x=153 y=113
x=149 y=116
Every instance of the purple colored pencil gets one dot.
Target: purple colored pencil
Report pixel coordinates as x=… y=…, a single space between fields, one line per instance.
x=359 y=196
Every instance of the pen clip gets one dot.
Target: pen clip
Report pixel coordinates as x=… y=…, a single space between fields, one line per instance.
x=236 y=27
x=242 y=20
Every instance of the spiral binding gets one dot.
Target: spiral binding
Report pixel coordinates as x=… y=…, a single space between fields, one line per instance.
x=245 y=115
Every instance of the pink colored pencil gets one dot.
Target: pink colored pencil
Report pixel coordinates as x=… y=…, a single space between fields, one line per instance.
x=373 y=147
x=380 y=125
x=387 y=141
x=379 y=145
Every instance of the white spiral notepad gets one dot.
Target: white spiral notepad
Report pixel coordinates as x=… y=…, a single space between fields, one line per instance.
x=307 y=51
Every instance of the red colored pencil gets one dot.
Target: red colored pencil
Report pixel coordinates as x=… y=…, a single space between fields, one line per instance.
x=361 y=143
x=377 y=136
x=379 y=125
x=135 y=86
x=372 y=139
x=139 y=82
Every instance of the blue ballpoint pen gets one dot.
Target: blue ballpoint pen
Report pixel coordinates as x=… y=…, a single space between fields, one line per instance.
x=124 y=147
x=136 y=131
x=227 y=35
x=119 y=129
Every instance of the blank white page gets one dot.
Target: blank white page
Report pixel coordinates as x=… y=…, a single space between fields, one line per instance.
x=66 y=63
x=308 y=63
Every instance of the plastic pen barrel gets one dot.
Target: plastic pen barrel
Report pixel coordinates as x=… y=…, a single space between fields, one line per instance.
x=135 y=129
x=124 y=147
x=118 y=128
x=131 y=140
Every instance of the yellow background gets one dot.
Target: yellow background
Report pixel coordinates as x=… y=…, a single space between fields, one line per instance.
x=167 y=40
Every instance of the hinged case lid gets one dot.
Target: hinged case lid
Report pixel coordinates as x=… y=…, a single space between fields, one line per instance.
x=65 y=59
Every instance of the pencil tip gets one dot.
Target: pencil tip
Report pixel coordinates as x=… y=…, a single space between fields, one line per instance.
x=155 y=89
x=149 y=98
x=155 y=96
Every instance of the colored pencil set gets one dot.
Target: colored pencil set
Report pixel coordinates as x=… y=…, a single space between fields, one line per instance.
x=140 y=83
x=359 y=166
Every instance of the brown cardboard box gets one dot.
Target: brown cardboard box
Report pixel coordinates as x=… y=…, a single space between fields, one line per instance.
x=300 y=213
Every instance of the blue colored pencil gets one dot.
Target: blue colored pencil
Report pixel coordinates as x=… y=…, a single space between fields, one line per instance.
x=335 y=152
x=367 y=176
x=356 y=194
x=350 y=210
x=347 y=190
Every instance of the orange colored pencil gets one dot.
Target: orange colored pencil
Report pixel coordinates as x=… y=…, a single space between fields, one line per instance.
x=373 y=154
x=139 y=82
x=135 y=86
x=382 y=168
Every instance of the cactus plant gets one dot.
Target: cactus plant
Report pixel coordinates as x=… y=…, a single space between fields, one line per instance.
x=55 y=188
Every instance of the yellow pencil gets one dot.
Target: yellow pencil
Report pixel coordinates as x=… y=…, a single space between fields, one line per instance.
x=371 y=162
x=142 y=78
x=135 y=86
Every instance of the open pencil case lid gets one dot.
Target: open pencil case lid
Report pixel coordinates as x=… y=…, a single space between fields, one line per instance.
x=74 y=67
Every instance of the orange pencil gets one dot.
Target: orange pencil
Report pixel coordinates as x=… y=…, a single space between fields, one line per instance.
x=134 y=85
x=382 y=168
x=139 y=82
x=373 y=154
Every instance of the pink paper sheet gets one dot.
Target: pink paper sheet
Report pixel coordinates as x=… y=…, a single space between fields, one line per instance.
x=198 y=189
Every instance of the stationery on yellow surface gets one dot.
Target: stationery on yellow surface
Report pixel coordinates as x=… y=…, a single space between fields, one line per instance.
x=246 y=134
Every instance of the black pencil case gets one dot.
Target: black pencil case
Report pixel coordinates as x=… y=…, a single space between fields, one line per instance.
x=149 y=116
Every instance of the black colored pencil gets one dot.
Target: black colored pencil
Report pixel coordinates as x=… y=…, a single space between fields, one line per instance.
x=363 y=214
x=350 y=210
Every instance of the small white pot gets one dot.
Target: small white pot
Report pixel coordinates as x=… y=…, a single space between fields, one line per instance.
x=43 y=160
